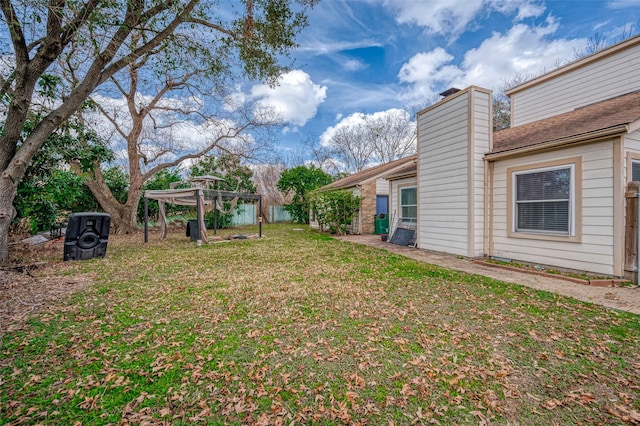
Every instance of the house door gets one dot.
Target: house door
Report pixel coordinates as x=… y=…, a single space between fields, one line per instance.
x=382 y=204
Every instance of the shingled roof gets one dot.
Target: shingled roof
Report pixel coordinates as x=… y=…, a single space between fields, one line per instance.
x=368 y=174
x=582 y=123
x=407 y=170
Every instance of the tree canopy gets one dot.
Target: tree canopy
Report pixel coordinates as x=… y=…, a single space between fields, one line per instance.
x=300 y=181
x=91 y=41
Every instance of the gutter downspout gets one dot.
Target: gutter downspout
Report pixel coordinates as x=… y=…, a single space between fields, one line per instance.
x=359 y=230
x=488 y=203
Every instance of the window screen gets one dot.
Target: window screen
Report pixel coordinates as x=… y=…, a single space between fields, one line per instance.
x=543 y=201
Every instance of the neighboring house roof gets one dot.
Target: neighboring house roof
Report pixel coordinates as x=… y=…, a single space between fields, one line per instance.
x=605 y=118
x=408 y=170
x=368 y=174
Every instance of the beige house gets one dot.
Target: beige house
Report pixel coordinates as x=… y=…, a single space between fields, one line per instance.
x=371 y=185
x=550 y=189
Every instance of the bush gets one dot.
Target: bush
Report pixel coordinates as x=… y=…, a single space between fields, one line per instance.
x=221 y=220
x=334 y=210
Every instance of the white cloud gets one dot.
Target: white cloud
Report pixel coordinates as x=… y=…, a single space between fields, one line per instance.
x=453 y=16
x=354 y=65
x=523 y=50
x=355 y=119
x=529 y=10
x=323 y=47
x=295 y=98
x=348 y=121
x=622 y=4
x=427 y=70
x=438 y=16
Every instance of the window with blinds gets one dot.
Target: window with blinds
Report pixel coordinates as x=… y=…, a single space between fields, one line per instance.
x=543 y=201
x=635 y=171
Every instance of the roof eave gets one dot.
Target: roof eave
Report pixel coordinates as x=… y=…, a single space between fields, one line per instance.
x=381 y=175
x=634 y=126
x=335 y=188
x=558 y=143
x=401 y=175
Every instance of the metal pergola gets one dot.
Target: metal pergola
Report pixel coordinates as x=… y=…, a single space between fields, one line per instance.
x=202 y=199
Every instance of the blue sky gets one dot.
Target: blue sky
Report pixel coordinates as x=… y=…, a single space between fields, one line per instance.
x=371 y=56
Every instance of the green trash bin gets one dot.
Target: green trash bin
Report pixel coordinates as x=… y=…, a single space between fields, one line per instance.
x=381 y=224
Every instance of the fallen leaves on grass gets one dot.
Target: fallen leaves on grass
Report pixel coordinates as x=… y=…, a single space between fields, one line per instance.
x=299 y=329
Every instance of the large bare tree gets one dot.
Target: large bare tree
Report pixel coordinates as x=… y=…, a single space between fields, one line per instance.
x=174 y=122
x=372 y=139
x=392 y=135
x=351 y=145
x=110 y=35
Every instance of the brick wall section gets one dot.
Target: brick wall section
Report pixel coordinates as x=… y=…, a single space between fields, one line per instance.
x=368 y=208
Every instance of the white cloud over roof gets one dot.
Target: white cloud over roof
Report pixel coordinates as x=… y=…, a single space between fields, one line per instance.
x=295 y=98
x=356 y=119
x=522 y=50
x=453 y=16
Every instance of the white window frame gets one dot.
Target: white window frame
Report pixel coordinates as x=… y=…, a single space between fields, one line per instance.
x=572 y=200
x=403 y=220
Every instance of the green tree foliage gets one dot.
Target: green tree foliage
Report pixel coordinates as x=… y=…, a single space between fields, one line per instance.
x=334 y=210
x=118 y=182
x=236 y=177
x=49 y=191
x=161 y=180
x=90 y=42
x=301 y=180
x=48 y=199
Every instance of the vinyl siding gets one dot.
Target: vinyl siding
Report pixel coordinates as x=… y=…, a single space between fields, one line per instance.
x=382 y=186
x=595 y=250
x=482 y=122
x=443 y=161
x=453 y=137
x=603 y=79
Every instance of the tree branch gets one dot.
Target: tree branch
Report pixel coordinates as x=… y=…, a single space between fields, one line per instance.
x=15 y=31
x=212 y=26
x=149 y=46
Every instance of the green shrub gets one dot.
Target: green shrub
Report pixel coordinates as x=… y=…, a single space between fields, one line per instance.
x=334 y=210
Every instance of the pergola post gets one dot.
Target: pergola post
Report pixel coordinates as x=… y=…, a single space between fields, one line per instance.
x=199 y=216
x=146 y=219
x=260 y=216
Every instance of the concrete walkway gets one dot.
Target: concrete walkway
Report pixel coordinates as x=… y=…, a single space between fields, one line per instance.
x=621 y=298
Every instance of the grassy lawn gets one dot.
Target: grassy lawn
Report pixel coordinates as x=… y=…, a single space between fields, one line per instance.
x=299 y=328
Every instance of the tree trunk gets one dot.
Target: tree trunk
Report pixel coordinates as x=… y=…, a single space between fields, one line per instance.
x=123 y=216
x=8 y=190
